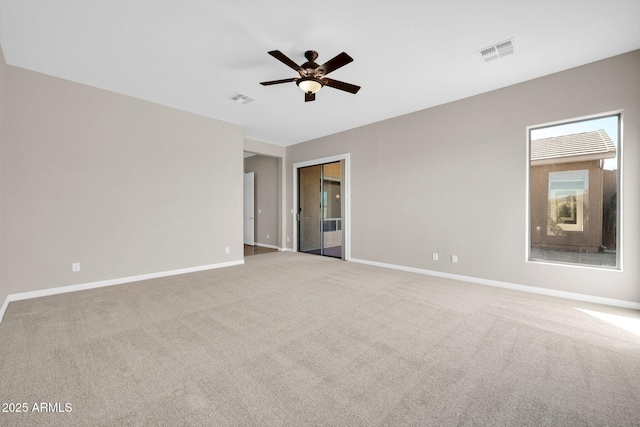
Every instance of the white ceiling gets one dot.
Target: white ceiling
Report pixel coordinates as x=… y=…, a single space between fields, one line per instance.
x=408 y=54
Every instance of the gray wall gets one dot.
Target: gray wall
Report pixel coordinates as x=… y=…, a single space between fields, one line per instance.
x=120 y=185
x=279 y=153
x=452 y=180
x=4 y=286
x=127 y=187
x=266 y=180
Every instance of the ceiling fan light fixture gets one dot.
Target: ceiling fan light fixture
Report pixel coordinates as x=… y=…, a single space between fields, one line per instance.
x=309 y=84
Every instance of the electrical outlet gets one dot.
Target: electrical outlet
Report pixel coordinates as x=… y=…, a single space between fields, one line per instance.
x=259 y=211
x=287 y=238
x=454 y=258
x=226 y=249
x=435 y=256
x=267 y=237
x=75 y=267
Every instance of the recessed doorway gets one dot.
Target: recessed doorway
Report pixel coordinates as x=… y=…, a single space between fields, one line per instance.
x=321 y=208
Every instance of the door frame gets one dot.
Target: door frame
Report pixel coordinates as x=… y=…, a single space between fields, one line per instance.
x=346 y=225
x=249 y=198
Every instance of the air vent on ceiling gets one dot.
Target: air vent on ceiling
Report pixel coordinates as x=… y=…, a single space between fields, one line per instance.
x=241 y=98
x=497 y=50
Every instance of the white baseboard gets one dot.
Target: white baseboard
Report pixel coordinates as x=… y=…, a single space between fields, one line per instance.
x=4 y=308
x=285 y=249
x=506 y=285
x=264 y=245
x=110 y=282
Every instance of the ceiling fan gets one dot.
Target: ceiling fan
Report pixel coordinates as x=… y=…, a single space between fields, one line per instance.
x=312 y=76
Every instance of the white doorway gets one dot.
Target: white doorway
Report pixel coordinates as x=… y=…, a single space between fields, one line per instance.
x=249 y=197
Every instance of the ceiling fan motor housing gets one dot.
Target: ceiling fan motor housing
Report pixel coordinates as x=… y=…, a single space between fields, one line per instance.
x=309 y=68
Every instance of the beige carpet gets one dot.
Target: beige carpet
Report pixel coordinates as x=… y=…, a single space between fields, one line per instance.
x=292 y=340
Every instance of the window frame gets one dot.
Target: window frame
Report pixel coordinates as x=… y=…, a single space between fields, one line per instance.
x=619 y=191
x=581 y=195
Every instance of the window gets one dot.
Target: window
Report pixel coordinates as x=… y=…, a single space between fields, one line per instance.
x=574 y=189
x=568 y=192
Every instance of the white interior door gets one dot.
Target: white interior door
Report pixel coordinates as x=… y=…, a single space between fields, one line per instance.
x=249 y=227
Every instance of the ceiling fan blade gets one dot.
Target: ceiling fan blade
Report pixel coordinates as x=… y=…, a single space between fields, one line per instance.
x=275 y=82
x=309 y=97
x=338 y=61
x=285 y=59
x=347 y=87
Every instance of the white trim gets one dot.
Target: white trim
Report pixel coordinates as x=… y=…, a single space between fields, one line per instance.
x=347 y=195
x=264 y=245
x=286 y=249
x=248 y=203
x=621 y=197
x=575 y=119
x=283 y=203
x=619 y=236
x=571 y=265
x=110 y=282
x=3 y=309
x=506 y=285
x=527 y=197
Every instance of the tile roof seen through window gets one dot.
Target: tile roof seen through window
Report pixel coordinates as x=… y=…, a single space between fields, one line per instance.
x=576 y=147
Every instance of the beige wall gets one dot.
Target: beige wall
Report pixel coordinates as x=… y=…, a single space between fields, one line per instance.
x=264 y=148
x=452 y=180
x=4 y=286
x=266 y=205
x=123 y=186
x=279 y=153
x=127 y=187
